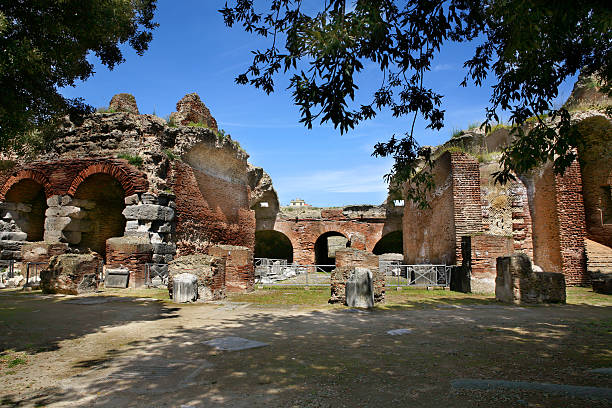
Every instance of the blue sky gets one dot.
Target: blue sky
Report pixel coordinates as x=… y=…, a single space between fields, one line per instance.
x=193 y=51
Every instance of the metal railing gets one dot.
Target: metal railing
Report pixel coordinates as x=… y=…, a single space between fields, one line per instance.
x=33 y=270
x=9 y=265
x=416 y=275
x=283 y=274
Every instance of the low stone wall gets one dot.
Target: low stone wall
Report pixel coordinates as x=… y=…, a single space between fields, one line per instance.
x=131 y=252
x=71 y=274
x=209 y=270
x=479 y=256
x=346 y=261
x=517 y=283
x=239 y=269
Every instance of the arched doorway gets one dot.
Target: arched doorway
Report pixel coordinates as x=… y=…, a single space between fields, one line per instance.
x=103 y=204
x=27 y=205
x=392 y=243
x=273 y=245
x=326 y=246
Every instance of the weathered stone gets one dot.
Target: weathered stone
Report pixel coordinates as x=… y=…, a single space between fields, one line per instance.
x=124 y=102
x=56 y=223
x=72 y=237
x=63 y=211
x=185 y=288
x=132 y=199
x=239 y=269
x=158 y=258
x=117 y=278
x=129 y=244
x=42 y=251
x=165 y=227
x=71 y=274
x=131 y=225
x=164 y=248
x=85 y=204
x=148 y=198
x=359 y=289
x=54 y=201
x=517 y=283
x=191 y=109
x=209 y=270
x=150 y=212
x=11 y=245
x=13 y=236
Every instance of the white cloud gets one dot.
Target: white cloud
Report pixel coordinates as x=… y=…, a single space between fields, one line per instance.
x=443 y=67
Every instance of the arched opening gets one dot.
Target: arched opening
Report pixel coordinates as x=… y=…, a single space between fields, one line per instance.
x=273 y=245
x=103 y=205
x=392 y=243
x=26 y=209
x=326 y=246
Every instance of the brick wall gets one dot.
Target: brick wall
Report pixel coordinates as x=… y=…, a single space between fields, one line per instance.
x=64 y=176
x=596 y=170
x=482 y=253
x=210 y=211
x=433 y=235
x=239 y=268
x=572 y=228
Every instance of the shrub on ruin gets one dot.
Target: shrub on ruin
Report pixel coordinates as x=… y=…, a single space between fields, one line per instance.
x=133 y=160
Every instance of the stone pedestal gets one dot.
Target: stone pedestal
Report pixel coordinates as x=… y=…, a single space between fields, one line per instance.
x=185 y=288
x=346 y=262
x=117 y=278
x=360 y=289
x=516 y=282
x=209 y=271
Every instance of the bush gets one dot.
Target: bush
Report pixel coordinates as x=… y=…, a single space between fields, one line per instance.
x=170 y=154
x=133 y=160
x=105 y=109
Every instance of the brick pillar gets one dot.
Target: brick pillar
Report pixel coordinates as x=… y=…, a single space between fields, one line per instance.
x=239 y=269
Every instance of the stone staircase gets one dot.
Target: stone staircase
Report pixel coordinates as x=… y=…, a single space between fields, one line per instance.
x=599 y=257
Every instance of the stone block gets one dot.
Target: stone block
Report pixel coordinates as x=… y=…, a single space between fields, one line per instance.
x=602 y=282
x=131 y=225
x=516 y=282
x=71 y=274
x=11 y=245
x=360 y=289
x=8 y=206
x=165 y=227
x=129 y=244
x=239 y=268
x=149 y=212
x=13 y=236
x=164 y=248
x=8 y=254
x=117 y=278
x=54 y=201
x=64 y=211
x=148 y=198
x=132 y=199
x=185 y=288
x=56 y=223
x=209 y=270
x=346 y=261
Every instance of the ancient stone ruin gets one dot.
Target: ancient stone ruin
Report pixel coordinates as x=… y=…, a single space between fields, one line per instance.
x=156 y=199
x=135 y=190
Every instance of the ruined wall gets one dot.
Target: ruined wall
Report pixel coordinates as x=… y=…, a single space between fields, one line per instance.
x=596 y=168
x=136 y=175
x=480 y=252
x=433 y=235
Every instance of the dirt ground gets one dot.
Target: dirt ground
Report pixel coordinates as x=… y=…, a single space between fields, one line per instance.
x=122 y=350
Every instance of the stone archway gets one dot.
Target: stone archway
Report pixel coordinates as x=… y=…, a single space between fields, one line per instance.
x=24 y=207
x=326 y=245
x=274 y=245
x=102 y=200
x=391 y=243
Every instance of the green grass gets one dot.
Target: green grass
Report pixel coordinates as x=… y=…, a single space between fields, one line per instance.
x=133 y=160
x=473 y=125
x=498 y=127
x=289 y=295
x=585 y=296
x=105 y=109
x=198 y=125
x=160 y=294
x=17 y=361
x=456 y=133
x=170 y=155
x=487 y=157
x=170 y=121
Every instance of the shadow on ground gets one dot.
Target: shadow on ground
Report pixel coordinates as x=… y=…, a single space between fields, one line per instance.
x=336 y=358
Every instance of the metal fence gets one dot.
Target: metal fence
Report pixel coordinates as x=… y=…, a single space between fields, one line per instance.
x=9 y=266
x=416 y=275
x=33 y=270
x=279 y=272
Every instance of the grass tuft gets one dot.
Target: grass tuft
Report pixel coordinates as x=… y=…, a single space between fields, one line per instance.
x=133 y=160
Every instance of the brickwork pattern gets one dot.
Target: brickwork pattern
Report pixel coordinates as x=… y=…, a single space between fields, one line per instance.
x=199 y=225
x=239 y=268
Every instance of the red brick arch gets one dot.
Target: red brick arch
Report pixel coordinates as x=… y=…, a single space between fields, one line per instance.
x=122 y=176
x=29 y=174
